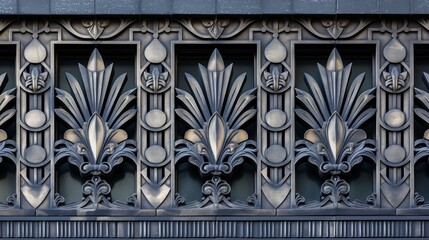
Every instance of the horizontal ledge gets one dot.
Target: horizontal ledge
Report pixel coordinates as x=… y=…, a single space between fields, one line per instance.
x=213 y=7
x=370 y=214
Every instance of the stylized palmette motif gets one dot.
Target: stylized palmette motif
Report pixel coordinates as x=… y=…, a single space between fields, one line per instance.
x=7 y=146
x=335 y=143
x=395 y=80
x=422 y=145
x=155 y=80
x=216 y=144
x=96 y=112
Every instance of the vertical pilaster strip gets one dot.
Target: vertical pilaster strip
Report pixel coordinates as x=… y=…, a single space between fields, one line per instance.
x=35 y=113
x=275 y=115
x=156 y=113
x=395 y=114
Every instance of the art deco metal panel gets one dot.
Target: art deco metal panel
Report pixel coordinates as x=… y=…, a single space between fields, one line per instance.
x=316 y=131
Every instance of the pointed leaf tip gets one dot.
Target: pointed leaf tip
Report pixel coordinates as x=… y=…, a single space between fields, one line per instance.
x=335 y=63
x=96 y=63
x=96 y=133
x=216 y=134
x=336 y=134
x=216 y=63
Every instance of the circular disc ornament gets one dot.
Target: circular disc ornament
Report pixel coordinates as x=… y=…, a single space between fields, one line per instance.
x=156 y=118
x=35 y=118
x=275 y=118
x=155 y=154
x=275 y=154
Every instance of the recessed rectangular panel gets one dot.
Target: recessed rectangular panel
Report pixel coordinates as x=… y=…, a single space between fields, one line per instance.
x=189 y=58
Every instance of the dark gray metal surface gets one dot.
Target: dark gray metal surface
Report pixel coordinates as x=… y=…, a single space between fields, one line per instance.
x=96 y=140
x=213 y=7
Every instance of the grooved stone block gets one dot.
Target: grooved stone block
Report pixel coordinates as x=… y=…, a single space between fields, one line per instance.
x=117 y=7
x=276 y=6
x=420 y=6
x=72 y=7
x=194 y=7
x=8 y=7
x=358 y=7
x=239 y=6
x=314 y=6
x=395 y=7
x=33 y=7
x=155 y=6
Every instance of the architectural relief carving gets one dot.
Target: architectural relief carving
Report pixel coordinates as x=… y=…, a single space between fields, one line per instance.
x=361 y=134
x=334 y=143
x=95 y=28
x=156 y=113
x=7 y=146
x=216 y=28
x=396 y=147
x=95 y=143
x=35 y=110
x=216 y=144
x=334 y=28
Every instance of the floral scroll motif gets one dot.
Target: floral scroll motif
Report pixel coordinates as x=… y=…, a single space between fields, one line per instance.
x=95 y=28
x=334 y=28
x=95 y=143
x=216 y=28
x=335 y=144
x=216 y=144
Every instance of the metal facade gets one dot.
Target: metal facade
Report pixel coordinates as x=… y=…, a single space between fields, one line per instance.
x=333 y=119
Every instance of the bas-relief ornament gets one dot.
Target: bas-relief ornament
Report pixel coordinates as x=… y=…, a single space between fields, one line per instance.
x=35 y=80
x=215 y=28
x=275 y=79
x=4 y=23
x=156 y=116
x=394 y=79
x=95 y=143
x=424 y=22
x=95 y=28
x=335 y=144
x=215 y=143
x=155 y=80
x=421 y=146
x=275 y=113
x=7 y=146
x=275 y=51
x=155 y=52
x=334 y=28
x=35 y=112
x=395 y=150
